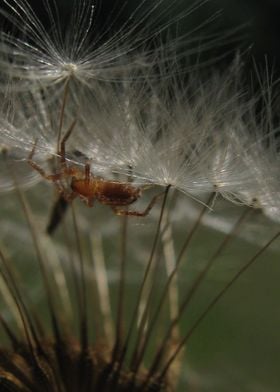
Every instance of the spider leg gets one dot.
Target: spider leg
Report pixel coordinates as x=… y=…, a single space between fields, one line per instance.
x=87 y=173
x=89 y=201
x=63 y=142
x=39 y=169
x=119 y=211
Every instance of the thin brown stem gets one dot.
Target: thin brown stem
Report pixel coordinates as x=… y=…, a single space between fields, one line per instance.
x=121 y=295
x=196 y=284
x=144 y=280
x=62 y=111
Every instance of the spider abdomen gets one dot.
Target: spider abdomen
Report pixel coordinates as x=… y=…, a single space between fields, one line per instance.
x=112 y=193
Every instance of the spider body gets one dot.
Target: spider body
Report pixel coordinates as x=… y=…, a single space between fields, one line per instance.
x=72 y=182
x=111 y=193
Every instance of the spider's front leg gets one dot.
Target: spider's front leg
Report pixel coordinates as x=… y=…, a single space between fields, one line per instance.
x=39 y=169
x=55 y=178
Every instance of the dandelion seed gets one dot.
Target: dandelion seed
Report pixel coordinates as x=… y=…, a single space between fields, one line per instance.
x=83 y=51
x=49 y=57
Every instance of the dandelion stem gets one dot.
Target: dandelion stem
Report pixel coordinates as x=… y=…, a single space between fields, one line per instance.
x=74 y=275
x=168 y=283
x=29 y=218
x=61 y=115
x=120 y=306
x=24 y=315
x=196 y=285
x=83 y=325
x=102 y=285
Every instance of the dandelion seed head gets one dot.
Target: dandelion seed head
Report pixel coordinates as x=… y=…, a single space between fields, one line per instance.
x=82 y=51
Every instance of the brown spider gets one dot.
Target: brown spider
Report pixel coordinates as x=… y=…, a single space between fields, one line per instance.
x=88 y=187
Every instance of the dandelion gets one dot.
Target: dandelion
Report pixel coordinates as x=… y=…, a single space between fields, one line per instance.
x=115 y=302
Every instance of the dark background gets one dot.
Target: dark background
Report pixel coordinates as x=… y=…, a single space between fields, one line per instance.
x=256 y=21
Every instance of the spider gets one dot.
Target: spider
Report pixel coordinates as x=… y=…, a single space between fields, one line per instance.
x=72 y=182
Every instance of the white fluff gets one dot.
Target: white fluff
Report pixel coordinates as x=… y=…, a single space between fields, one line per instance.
x=199 y=133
